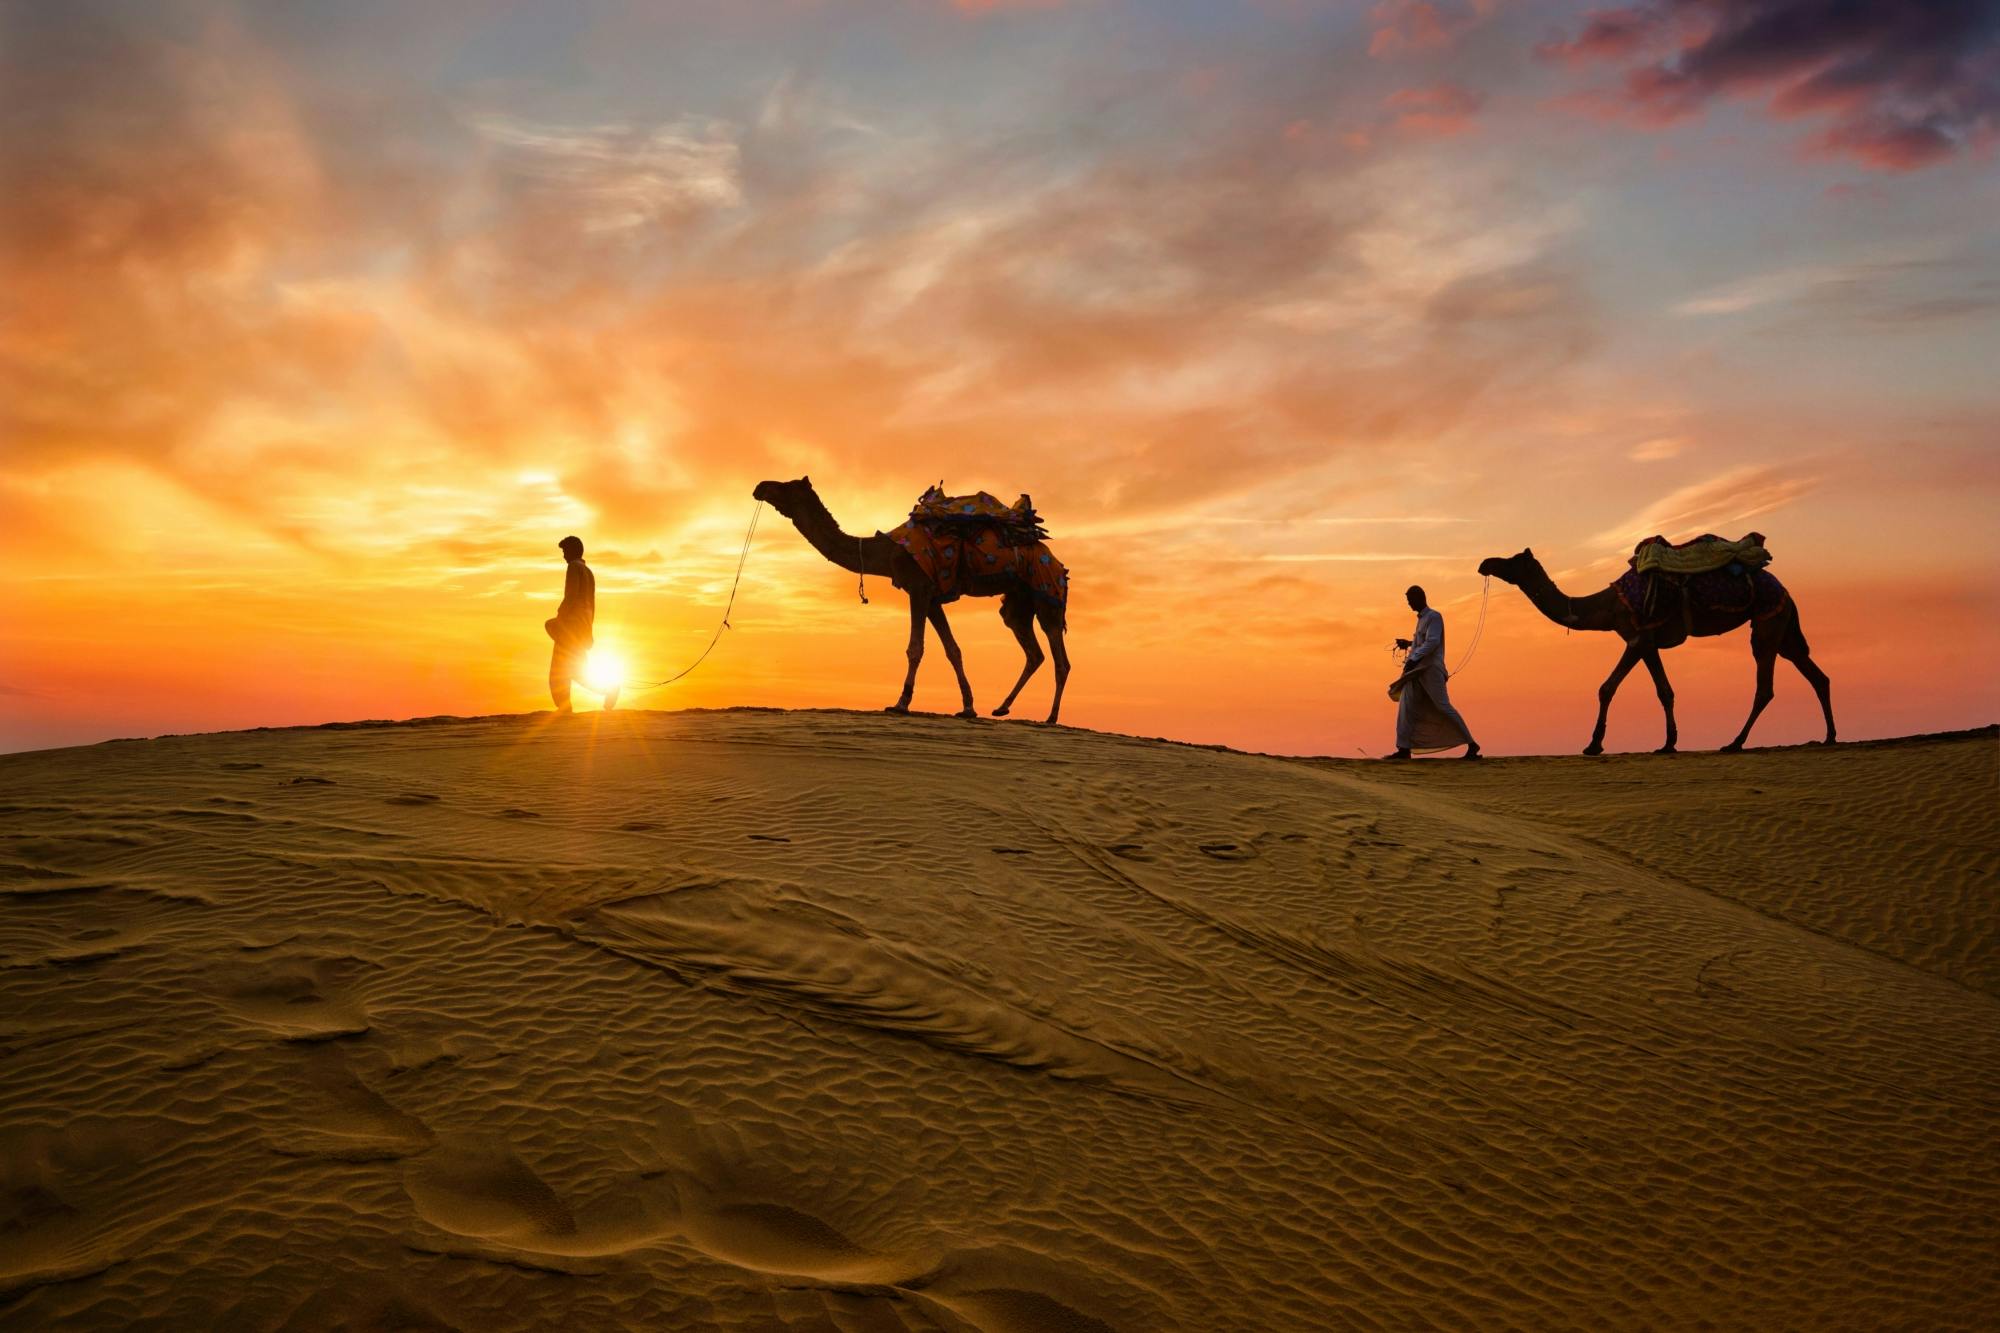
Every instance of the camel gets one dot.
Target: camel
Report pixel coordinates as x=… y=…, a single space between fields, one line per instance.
x=879 y=555
x=1776 y=636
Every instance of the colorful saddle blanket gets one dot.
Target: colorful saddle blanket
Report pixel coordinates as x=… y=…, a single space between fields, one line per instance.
x=1713 y=602
x=1700 y=554
x=956 y=539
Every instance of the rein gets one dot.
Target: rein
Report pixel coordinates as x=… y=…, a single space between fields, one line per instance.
x=729 y=606
x=1485 y=592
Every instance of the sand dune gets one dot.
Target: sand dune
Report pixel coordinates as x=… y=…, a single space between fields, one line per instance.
x=835 y=1021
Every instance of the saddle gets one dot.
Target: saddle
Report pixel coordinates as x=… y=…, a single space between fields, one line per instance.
x=1018 y=524
x=958 y=538
x=1709 y=584
x=1699 y=555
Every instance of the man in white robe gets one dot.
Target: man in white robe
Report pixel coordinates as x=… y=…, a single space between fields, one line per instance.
x=1425 y=719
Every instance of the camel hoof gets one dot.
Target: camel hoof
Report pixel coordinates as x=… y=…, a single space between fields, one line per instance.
x=1734 y=747
x=967 y=711
x=1001 y=711
x=1666 y=749
x=1593 y=748
x=901 y=709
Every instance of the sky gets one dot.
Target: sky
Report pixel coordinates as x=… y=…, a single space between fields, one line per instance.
x=321 y=323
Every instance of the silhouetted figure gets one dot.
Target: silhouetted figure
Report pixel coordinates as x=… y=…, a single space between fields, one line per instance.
x=1425 y=719
x=572 y=629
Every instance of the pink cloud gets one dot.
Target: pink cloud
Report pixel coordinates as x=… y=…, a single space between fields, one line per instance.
x=1421 y=25
x=1436 y=112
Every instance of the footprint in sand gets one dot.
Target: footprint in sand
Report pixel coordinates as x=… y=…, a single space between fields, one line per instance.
x=298 y=999
x=66 y=1210
x=478 y=1188
x=311 y=782
x=240 y=765
x=515 y=812
x=637 y=826
x=767 y=837
x=343 y=1119
x=1227 y=851
x=1007 y=1290
x=411 y=798
x=1010 y=851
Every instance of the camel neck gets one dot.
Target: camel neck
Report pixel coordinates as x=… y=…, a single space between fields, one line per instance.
x=1589 y=612
x=860 y=554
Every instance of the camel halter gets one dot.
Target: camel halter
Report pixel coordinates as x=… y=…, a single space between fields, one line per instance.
x=729 y=606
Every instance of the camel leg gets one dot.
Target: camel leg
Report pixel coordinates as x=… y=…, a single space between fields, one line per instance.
x=1793 y=649
x=1609 y=691
x=1666 y=693
x=919 y=611
x=953 y=656
x=1020 y=618
x=1764 y=643
x=1060 y=652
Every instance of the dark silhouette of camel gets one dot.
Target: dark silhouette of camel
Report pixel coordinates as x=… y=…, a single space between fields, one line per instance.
x=1775 y=636
x=1019 y=608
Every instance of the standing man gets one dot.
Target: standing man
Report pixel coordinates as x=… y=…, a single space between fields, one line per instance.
x=572 y=628
x=1425 y=719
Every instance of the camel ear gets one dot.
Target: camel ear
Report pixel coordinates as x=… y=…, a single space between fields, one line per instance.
x=1528 y=551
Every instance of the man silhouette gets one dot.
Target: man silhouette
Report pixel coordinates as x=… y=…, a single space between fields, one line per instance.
x=572 y=628
x=1425 y=719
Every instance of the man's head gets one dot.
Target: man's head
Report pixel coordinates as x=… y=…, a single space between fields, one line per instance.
x=571 y=547
x=1415 y=595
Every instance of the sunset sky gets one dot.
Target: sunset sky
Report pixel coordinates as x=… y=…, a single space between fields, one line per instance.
x=321 y=323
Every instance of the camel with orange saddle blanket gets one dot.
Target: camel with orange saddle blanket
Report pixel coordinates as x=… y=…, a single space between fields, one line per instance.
x=952 y=546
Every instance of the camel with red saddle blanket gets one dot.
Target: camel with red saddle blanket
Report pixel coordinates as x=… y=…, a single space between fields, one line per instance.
x=952 y=546
x=1673 y=592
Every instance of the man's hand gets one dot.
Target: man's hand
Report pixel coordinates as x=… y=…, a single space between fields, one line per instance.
x=1403 y=643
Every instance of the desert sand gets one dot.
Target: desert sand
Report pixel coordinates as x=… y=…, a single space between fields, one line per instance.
x=756 y=1020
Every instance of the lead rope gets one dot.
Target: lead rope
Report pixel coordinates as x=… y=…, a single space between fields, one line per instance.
x=729 y=606
x=860 y=571
x=1484 y=593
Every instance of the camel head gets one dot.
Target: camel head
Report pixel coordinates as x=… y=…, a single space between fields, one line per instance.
x=1510 y=568
x=787 y=497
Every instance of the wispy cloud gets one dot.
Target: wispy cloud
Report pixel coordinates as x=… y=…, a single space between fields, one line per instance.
x=1733 y=497
x=625 y=176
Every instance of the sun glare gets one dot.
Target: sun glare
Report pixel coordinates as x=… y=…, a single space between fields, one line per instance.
x=603 y=670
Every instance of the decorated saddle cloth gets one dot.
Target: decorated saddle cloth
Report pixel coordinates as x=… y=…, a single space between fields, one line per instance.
x=1700 y=554
x=1713 y=602
x=1018 y=523
x=957 y=538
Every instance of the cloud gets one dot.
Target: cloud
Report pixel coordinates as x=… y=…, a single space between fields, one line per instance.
x=624 y=176
x=1439 y=111
x=1723 y=502
x=1901 y=85
x=1658 y=450
x=1907 y=289
x=1402 y=26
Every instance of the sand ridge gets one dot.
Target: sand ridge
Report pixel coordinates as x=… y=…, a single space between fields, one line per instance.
x=829 y=1020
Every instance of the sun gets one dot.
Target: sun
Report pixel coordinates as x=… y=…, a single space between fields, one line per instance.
x=603 y=670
